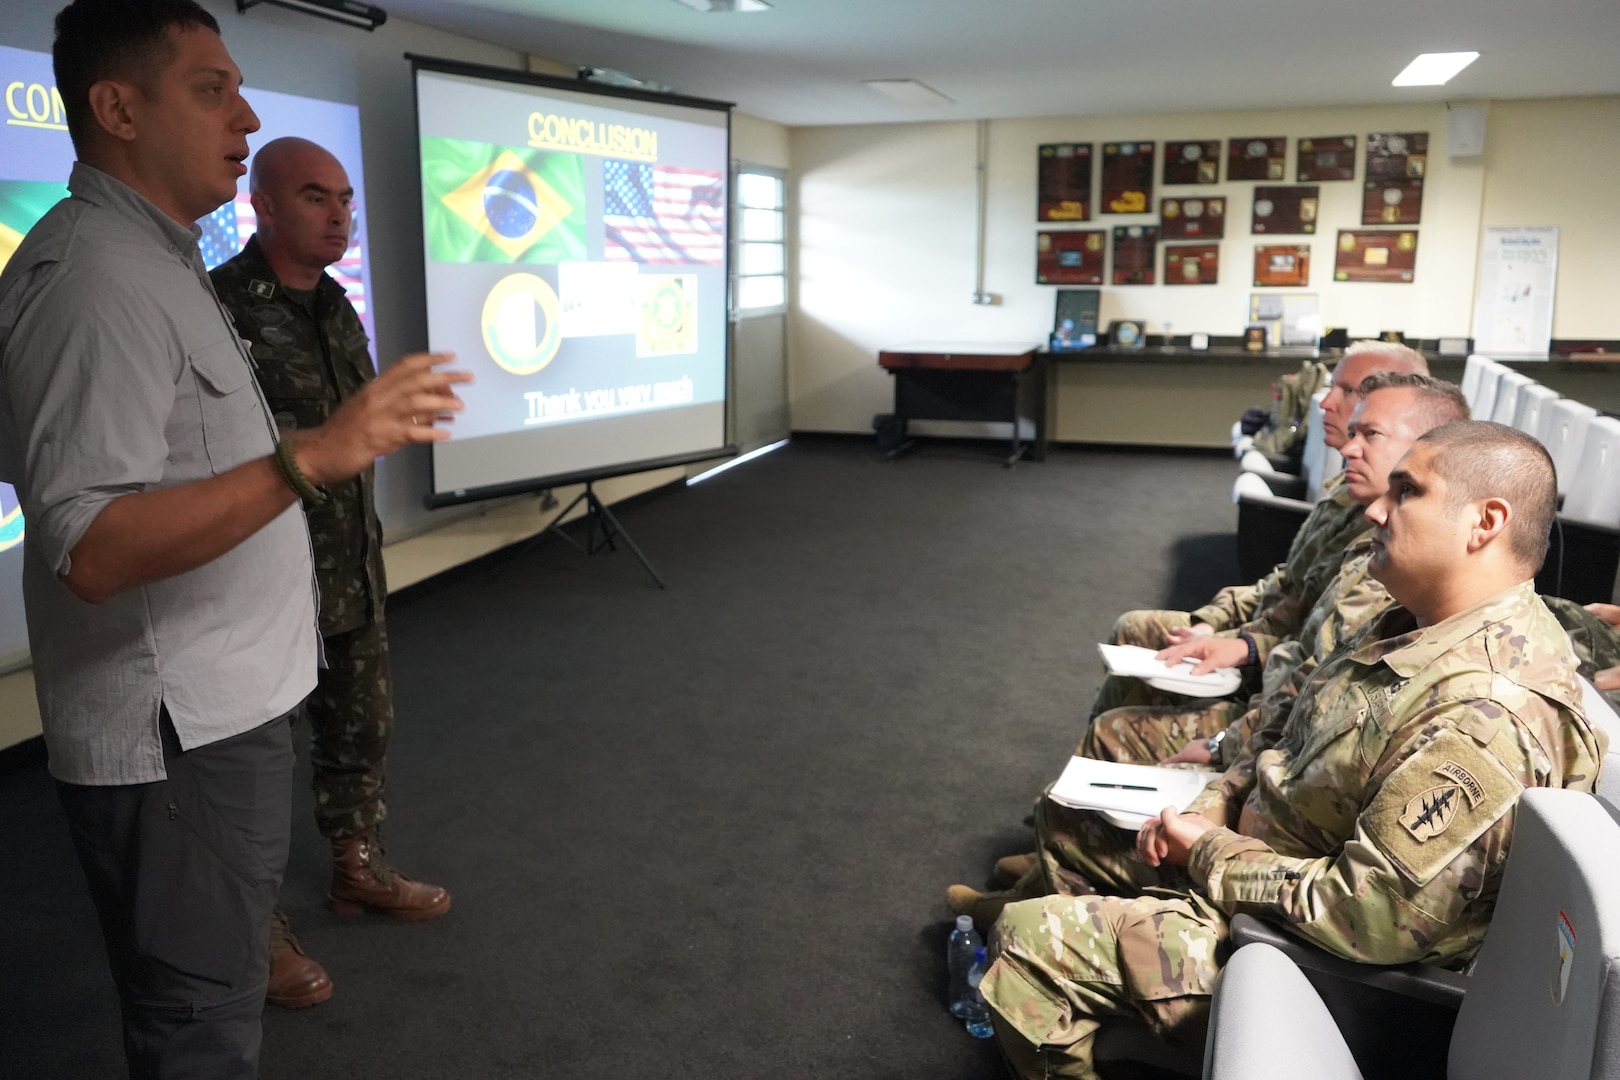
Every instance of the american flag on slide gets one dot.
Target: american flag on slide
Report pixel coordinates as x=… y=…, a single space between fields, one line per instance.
x=228 y=228
x=663 y=214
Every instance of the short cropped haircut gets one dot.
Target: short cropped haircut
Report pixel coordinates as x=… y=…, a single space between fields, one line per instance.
x=1392 y=357
x=115 y=39
x=1438 y=402
x=1479 y=459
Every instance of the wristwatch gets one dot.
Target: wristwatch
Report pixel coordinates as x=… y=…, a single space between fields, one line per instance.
x=1213 y=745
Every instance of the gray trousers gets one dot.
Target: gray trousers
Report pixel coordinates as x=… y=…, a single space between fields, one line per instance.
x=184 y=873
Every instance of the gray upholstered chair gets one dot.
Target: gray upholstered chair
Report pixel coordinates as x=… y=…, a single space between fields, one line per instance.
x=1542 y=1000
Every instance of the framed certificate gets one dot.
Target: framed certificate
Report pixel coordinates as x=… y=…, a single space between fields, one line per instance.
x=1192 y=264
x=1063 y=184
x=1376 y=255
x=1398 y=156
x=1257 y=158
x=1134 y=254
x=1327 y=157
x=1127 y=178
x=1392 y=201
x=1069 y=258
x=1282 y=264
x=1192 y=217
x=1192 y=162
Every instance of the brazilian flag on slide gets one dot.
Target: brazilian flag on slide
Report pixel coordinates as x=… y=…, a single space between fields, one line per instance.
x=23 y=202
x=486 y=203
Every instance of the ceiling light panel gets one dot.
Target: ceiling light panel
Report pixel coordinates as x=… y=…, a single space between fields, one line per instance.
x=908 y=91
x=726 y=5
x=1434 y=69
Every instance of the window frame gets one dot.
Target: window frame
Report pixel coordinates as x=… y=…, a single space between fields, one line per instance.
x=738 y=239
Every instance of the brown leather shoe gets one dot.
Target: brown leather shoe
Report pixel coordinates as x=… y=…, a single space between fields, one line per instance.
x=363 y=881
x=296 y=980
x=1010 y=869
x=983 y=907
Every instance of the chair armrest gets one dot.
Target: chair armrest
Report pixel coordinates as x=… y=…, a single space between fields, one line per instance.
x=1421 y=981
x=1267 y=1020
x=1582 y=562
x=1266 y=528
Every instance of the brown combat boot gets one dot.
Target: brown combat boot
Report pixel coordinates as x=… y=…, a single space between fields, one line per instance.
x=363 y=881
x=296 y=980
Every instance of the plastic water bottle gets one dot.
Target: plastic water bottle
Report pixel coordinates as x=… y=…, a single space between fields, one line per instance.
x=959 y=952
x=978 y=1011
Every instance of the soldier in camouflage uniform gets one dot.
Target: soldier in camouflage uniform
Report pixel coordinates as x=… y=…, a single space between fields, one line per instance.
x=310 y=354
x=1378 y=825
x=1278 y=602
x=1392 y=411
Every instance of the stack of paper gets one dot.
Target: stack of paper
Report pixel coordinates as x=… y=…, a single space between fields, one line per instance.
x=1137 y=662
x=1128 y=795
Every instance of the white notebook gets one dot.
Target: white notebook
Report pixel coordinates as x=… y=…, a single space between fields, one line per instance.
x=1137 y=662
x=1128 y=795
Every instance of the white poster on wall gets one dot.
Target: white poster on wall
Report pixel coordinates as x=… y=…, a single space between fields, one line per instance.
x=1518 y=271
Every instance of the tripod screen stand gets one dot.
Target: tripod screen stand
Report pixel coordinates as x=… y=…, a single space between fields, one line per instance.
x=601 y=530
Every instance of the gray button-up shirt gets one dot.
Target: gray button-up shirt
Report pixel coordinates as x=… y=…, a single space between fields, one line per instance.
x=119 y=373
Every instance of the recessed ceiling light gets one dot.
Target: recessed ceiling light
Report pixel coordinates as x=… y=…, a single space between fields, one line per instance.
x=908 y=91
x=1434 y=68
x=726 y=5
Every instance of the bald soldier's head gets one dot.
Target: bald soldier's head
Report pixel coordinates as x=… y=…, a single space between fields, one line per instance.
x=304 y=203
x=1467 y=514
x=1360 y=360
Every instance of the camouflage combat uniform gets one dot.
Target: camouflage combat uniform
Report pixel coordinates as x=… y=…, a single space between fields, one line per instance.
x=1377 y=828
x=1081 y=852
x=1269 y=610
x=1147 y=734
x=310 y=356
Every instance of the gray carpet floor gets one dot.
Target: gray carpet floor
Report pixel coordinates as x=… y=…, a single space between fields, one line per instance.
x=702 y=832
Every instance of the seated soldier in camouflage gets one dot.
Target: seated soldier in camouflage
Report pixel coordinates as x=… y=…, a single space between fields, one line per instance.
x=1378 y=825
x=1276 y=604
x=1079 y=851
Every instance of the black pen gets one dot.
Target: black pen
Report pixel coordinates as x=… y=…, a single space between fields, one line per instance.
x=1125 y=787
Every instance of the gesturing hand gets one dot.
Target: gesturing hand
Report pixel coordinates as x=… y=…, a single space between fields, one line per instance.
x=403 y=405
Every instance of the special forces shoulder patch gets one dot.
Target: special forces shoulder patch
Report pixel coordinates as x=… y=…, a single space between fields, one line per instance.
x=1431 y=812
x=1438 y=803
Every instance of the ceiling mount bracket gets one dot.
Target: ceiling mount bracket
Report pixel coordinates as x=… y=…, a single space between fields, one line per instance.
x=354 y=13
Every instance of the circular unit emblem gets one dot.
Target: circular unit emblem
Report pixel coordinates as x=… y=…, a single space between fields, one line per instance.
x=1256 y=148
x=522 y=323
x=1393 y=196
x=1263 y=208
x=666 y=307
x=1194 y=207
x=1396 y=144
x=1192 y=151
x=509 y=204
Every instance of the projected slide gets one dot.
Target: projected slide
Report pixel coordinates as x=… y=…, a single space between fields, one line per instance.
x=575 y=258
x=36 y=157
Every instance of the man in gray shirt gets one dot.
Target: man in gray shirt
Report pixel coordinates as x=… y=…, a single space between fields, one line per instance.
x=167 y=575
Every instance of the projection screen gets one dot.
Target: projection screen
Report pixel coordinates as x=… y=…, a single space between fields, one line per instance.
x=575 y=253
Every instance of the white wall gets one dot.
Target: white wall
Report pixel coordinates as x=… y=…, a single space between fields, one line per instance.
x=885 y=234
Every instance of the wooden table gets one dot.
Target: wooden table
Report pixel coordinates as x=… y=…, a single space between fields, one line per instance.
x=994 y=381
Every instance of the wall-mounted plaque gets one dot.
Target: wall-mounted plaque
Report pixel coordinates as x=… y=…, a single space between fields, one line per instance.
x=1127 y=178
x=1192 y=162
x=1282 y=264
x=1069 y=258
x=1329 y=157
x=1192 y=217
x=1398 y=156
x=1392 y=202
x=1192 y=264
x=1285 y=209
x=1257 y=159
x=1134 y=254
x=1368 y=255
x=1064 y=182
